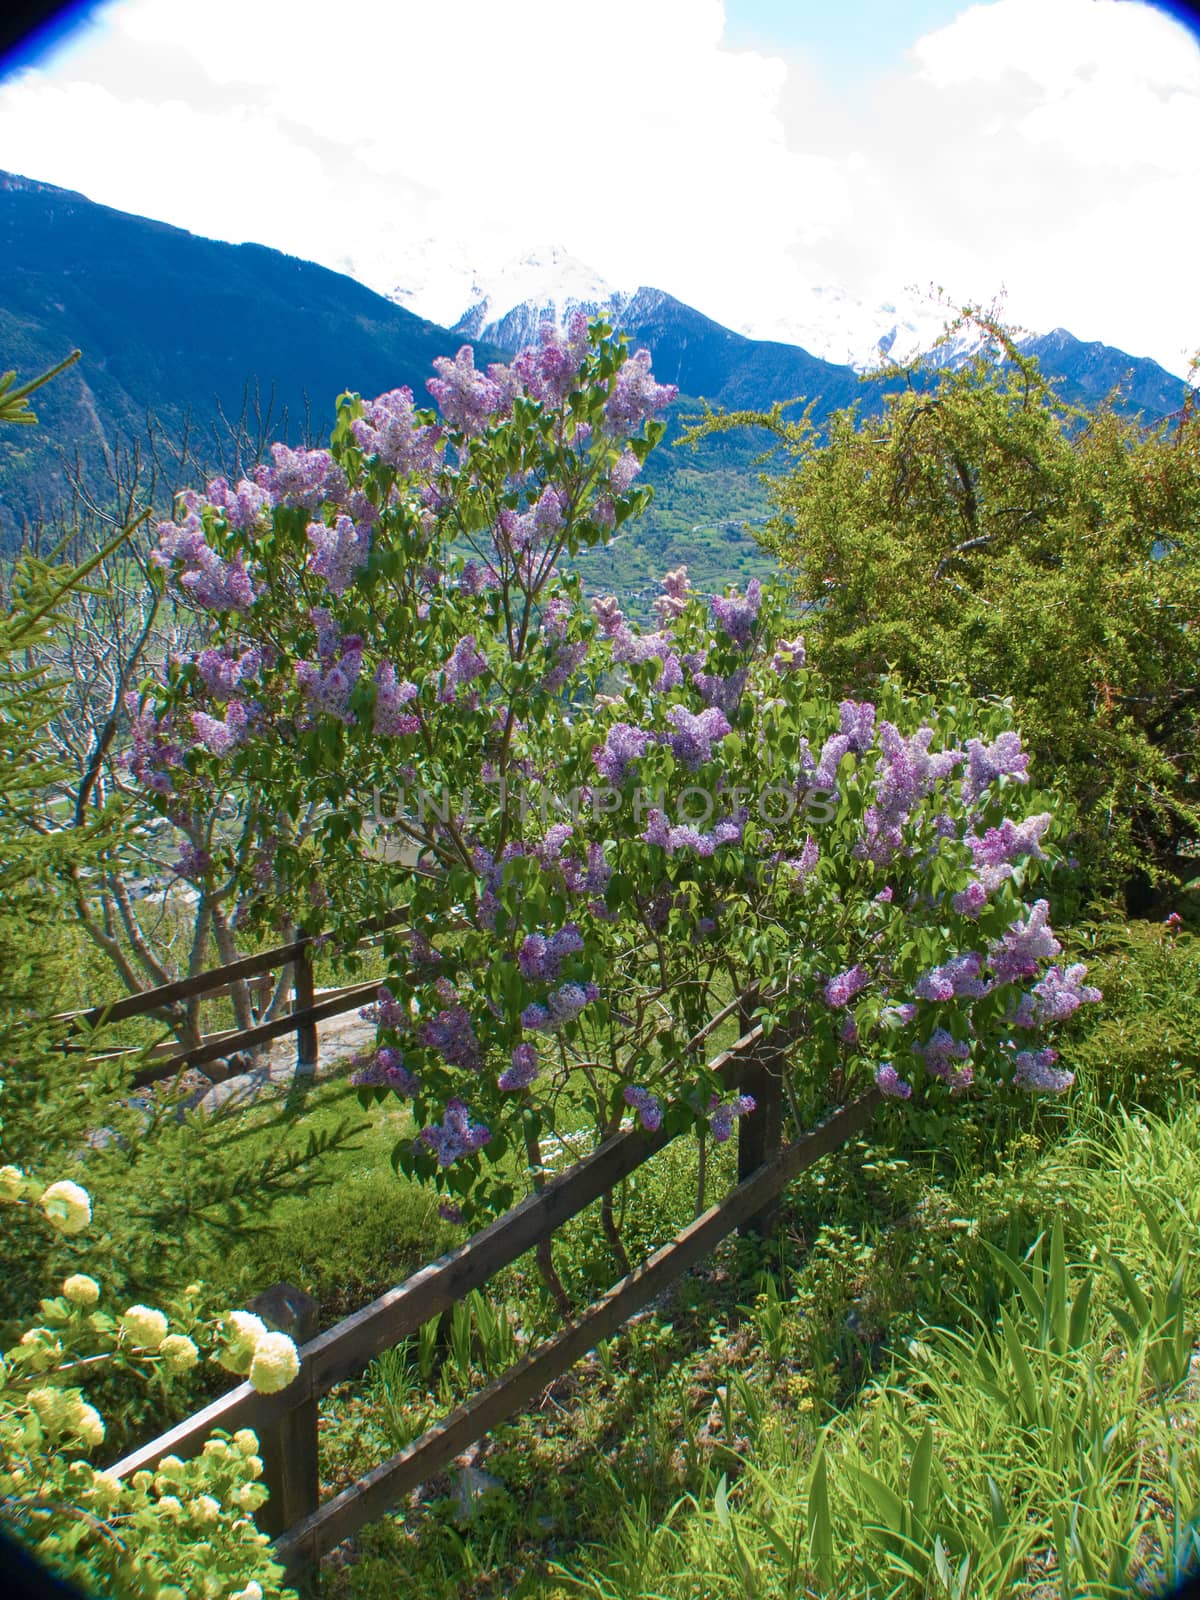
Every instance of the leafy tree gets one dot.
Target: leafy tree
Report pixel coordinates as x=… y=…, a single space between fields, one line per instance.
x=981 y=532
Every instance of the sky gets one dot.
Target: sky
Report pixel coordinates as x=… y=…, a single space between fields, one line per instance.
x=735 y=153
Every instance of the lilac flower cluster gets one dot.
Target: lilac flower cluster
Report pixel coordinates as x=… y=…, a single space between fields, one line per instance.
x=635 y=396
x=386 y=1011
x=540 y=958
x=221 y=738
x=451 y=1034
x=391 y=696
x=464 y=664
x=723 y=693
x=906 y=773
x=328 y=684
x=338 y=553
x=622 y=746
x=841 y=989
x=1036 y=1070
x=673 y=601
x=456 y=1136
x=1017 y=953
x=723 y=1114
x=522 y=1071
x=467 y=399
x=995 y=854
x=686 y=836
x=208 y=582
x=151 y=754
x=857 y=724
x=244 y=507
x=562 y=1006
x=736 y=615
x=568 y=658
x=957 y=979
x=939 y=1051
x=192 y=862
x=551 y=372
x=987 y=762
x=388 y=428
x=891 y=1083
x=790 y=655
x=222 y=672
x=1057 y=997
x=695 y=736
x=800 y=868
x=385 y=1069
x=648 y=1107
x=302 y=479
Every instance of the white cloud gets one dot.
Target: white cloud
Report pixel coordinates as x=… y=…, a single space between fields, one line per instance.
x=1049 y=145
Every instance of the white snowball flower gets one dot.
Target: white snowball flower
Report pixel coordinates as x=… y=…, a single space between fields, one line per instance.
x=68 y=1208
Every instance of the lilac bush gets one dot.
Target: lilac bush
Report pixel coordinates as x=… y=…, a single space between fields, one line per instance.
x=402 y=650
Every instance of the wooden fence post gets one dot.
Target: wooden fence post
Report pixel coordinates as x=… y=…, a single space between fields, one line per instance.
x=304 y=993
x=760 y=1135
x=289 y=1445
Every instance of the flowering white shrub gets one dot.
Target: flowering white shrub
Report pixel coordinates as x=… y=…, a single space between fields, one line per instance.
x=183 y=1531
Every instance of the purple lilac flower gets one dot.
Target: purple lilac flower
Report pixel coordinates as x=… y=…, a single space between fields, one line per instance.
x=450 y=1033
x=969 y=902
x=385 y=1010
x=631 y=648
x=940 y=1050
x=1017 y=954
x=1036 y=1070
x=222 y=672
x=568 y=658
x=673 y=601
x=621 y=477
x=723 y=1114
x=858 y=724
x=723 y=693
x=467 y=398
x=541 y=958
x=192 y=861
x=987 y=762
x=330 y=691
x=243 y=507
x=301 y=479
x=607 y=613
x=450 y=1211
x=891 y=1083
x=391 y=720
x=695 y=736
x=456 y=1136
x=1060 y=994
x=476 y=577
x=464 y=665
x=388 y=428
x=1010 y=842
x=551 y=847
x=220 y=738
x=906 y=773
x=338 y=553
x=956 y=979
x=904 y=1013
x=790 y=655
x=523 y=1071
x=848 y=1032
x=736 y=615
x=550 y=372
x=635 y=396
x=648 y=1107
x=671 y=676
x=802 y=866
x=824 y=774
x=842 y=988
x=151 y=753
x=623 y=745
x=386 y=1070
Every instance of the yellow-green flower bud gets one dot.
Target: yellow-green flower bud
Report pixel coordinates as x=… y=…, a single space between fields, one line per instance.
x=12 y=1181
x=276 y=1362
x=245 y=1441
x=179 y=1353
x=68 y=1207
x=81 y=1290
x=144 y=1327
x=242 y=1331
x=88 y=1424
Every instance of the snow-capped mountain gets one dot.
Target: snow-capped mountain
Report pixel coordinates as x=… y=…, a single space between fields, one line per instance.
x=544 y=285
x=837 y=326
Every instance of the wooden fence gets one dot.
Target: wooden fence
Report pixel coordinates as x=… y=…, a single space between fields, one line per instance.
x=286 y=1423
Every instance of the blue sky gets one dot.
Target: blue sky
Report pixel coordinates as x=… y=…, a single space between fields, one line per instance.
x=783 y=165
